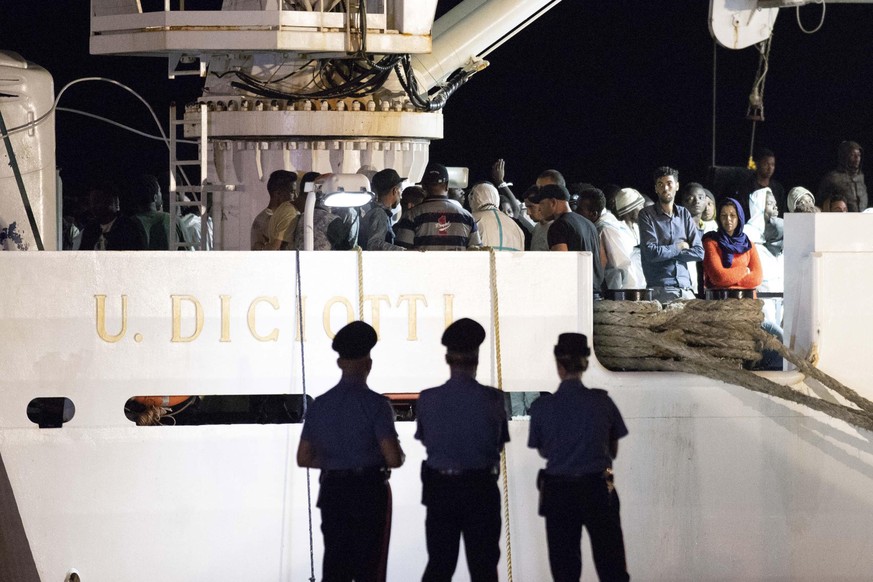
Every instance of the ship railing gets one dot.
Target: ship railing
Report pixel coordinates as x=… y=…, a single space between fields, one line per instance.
x=408 y=17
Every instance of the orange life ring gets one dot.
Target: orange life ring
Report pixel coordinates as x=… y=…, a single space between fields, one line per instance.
x=162 y=401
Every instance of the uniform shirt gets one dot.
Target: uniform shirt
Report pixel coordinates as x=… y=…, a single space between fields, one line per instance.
x=376 y=232
x=438 y=224
x=462 y=424
x=346 y=424
x=664 y=265
x=573 y=427
x=579 y=234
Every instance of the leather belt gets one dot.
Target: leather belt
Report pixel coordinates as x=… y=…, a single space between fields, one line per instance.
x=486 y=472
x=356 y=472
x=606 y=475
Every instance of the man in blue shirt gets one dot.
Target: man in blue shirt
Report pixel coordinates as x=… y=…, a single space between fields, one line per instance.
x=463 y=426
x=349 y=434
x=669 y=239
x=577 y=430
x=376 y=232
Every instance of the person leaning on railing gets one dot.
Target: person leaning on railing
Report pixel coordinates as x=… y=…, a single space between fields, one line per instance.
x=730 y=260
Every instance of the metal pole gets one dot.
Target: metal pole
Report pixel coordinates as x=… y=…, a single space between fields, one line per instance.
x=13 y=162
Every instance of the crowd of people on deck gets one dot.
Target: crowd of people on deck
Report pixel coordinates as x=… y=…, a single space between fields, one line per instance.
x=679 y=243
x=684 y=241
x=132 y=219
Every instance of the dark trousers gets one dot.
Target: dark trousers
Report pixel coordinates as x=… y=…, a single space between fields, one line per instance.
x=356 y=526
x=570 y=504
x=462 y=505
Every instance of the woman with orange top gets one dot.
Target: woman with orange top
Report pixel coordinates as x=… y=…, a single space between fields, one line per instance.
x=730 y=260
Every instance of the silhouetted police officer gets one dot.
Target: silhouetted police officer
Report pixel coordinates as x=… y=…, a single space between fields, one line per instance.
x=349 y=434
x=577 y=430
x=462 y=424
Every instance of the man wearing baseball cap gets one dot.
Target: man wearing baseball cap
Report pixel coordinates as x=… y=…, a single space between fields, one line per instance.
x=376 y=232
x=438 y=223
x=569 y=231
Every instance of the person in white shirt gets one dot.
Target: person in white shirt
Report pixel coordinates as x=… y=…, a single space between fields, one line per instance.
x=496 y=228
x=622 y=242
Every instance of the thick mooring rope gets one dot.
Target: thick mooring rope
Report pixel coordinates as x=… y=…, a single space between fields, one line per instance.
x=713 y=339
x=495 y=316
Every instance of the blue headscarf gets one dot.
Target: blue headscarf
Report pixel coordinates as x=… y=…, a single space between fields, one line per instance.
x=730 y=245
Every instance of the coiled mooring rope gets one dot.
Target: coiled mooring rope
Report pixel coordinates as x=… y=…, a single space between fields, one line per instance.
x=712 y=339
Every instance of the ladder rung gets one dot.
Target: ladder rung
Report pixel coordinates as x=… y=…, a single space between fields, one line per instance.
x=219 y=188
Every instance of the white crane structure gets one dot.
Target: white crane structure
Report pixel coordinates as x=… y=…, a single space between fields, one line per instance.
x=308 y=85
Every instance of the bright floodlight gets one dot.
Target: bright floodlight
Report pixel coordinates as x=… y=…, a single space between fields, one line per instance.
x=347 y=199
x=344 y=190
x=337 y=191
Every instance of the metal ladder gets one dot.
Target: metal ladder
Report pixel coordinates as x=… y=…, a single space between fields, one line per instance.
x=207 y=197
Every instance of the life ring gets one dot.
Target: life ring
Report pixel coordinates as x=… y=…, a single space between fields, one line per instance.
x=162 y=401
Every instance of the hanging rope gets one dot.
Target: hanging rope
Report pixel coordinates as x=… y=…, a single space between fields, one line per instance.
x=755 y=109
x=154 y=415
x=820 y=23
x=495 y=318
x=360 y=282
x=301 y=330
x=712 y=339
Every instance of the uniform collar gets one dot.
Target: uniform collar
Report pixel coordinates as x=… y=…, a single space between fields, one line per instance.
x=571 y=385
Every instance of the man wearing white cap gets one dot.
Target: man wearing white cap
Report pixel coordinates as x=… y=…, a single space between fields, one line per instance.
x=621 y=241
x=801 y=200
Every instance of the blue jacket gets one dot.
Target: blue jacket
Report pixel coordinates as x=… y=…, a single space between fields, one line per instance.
x=664 y=265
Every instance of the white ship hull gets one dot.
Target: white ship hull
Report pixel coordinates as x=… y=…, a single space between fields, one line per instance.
x=716 y=482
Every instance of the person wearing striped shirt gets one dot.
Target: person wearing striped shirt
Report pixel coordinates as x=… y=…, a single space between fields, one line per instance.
x=438 y=223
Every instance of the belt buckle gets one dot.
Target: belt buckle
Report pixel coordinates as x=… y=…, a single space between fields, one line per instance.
x=609 y=477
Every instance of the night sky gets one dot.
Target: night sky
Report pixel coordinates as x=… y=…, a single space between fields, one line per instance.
x=603 y=91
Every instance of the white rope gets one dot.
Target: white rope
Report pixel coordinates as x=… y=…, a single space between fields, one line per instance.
x=820 y=23
x=42 y=118
x=122 y=126
x=495 y=320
